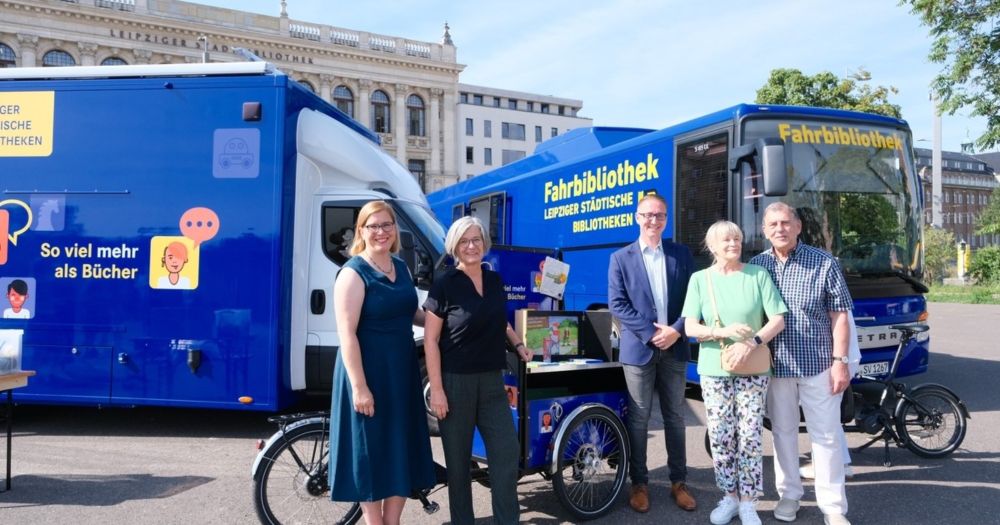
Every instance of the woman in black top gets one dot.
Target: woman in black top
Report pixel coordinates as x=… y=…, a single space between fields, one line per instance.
x=464 y=334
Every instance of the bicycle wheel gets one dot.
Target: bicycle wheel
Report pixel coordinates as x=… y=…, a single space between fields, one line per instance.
x=591 y=462
x=292 y=485
x=931 y=422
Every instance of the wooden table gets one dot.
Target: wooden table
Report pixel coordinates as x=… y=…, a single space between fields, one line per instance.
x=8 y=382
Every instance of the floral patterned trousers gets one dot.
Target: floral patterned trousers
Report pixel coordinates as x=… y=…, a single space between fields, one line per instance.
x=734 y=407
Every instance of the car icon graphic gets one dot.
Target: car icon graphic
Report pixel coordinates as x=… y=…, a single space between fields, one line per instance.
x=236 y=153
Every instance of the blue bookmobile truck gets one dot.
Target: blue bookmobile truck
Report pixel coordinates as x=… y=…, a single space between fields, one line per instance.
x=851 y=175
x=172 y=233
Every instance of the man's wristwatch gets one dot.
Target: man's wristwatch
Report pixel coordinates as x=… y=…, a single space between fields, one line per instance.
x=757 y=341
x=842 y=359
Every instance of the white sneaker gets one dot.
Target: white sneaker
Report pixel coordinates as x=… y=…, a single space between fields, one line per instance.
x=786 y=510
x=835 y=519
x=808 y=471
x=725 y=511
x=748 y=513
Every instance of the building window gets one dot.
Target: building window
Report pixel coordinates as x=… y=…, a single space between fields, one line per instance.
x=554 y=132
x=415 y=113
x=538 y=133
x=7 y=57
x=511 y=155
x=113 y=61
x=512 y=103
x=58 y=57
x=308 y=85
x=470 y=156
x=487 y=128
x=477 y=100
x=509 y=130
x=468 y=127
x=463 y=98
x=562 y=110
x=496 y=102
x=545 y=108
x=488 y=156
x=381 y=121
x=418 y=167
x=343 y=98
x=531 y=106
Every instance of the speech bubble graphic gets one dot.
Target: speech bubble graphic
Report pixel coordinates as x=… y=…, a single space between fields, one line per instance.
x=199 y=224
x=13 y=234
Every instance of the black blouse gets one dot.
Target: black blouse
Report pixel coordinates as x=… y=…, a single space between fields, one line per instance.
x=472 y=338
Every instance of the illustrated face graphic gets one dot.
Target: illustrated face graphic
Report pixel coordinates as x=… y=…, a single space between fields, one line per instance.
x=16 y=300
x=175 y=257
x=546 y=420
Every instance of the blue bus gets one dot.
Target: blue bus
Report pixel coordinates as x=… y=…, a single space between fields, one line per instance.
x=851 y=176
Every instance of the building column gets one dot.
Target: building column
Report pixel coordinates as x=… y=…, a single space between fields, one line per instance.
x=88 y=53
x=325 y=87
x=434 y=133
x=400 y=128
x=364 y=108
x=450 y=174
x=28 y=44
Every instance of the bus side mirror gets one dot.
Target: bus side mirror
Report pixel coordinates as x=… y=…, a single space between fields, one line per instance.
x=769 y=157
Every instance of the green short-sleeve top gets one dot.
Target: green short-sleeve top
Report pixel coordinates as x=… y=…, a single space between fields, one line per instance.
x=743 y=297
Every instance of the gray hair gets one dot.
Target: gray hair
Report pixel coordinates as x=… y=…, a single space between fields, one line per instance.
x=781 y=207
x=458 y=229
x=718 y=231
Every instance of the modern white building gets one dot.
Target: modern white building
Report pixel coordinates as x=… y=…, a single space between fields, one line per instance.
x=496 y=127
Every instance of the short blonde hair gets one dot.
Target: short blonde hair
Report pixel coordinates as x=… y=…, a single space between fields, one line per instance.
x=368 y=210
x=718 y=231
x=458 y=229
x=652 y=196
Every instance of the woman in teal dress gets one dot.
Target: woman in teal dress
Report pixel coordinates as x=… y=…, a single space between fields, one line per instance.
x=379 y=443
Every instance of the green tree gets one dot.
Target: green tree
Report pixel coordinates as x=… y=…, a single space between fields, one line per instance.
x=989 y=219
x=939 y=252
x=966 y=42
x=794 y=88
x=985 y=266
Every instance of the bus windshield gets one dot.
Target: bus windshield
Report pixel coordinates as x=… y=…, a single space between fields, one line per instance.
x=855 y=188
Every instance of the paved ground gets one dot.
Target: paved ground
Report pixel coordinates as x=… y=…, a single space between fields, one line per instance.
x=84 y=465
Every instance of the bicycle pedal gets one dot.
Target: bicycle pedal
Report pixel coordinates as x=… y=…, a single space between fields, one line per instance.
x=431 y=508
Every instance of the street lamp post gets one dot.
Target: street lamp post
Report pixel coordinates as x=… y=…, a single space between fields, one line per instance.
x=204 y=50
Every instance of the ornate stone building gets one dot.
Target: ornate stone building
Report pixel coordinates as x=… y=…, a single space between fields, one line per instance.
x=967 y=185
x=405 y=90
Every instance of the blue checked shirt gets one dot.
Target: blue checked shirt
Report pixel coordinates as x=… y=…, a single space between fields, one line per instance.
x=812 y=285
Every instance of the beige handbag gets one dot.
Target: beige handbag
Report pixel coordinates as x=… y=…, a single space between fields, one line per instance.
x=759 y=362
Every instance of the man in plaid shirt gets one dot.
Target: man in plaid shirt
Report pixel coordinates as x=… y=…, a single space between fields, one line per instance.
x=810 y=365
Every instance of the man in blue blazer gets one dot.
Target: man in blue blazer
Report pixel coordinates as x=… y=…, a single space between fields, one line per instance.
x=647 y=284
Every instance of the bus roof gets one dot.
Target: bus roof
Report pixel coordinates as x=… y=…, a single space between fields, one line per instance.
x=138 y=70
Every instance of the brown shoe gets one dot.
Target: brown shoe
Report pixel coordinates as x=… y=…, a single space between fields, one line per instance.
x=683 y=496
x=639 y=498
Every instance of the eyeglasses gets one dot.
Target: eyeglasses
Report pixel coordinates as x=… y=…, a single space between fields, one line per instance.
x=475 y=241
x=653 y=216
x=385 y=226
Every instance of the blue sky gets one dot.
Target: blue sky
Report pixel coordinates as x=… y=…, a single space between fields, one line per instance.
x=653 y=63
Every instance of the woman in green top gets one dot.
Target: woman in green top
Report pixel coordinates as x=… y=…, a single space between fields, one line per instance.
x=734 y=405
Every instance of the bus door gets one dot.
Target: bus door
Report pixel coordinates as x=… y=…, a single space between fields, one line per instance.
x=702 y=193
x=492 y=210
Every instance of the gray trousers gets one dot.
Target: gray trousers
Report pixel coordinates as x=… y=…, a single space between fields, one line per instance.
x=666 y=376
x=479 y=400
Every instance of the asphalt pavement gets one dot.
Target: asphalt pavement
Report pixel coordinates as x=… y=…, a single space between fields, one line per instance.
x=171 y=466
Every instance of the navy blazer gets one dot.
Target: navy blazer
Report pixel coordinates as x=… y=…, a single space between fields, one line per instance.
x=630 y=299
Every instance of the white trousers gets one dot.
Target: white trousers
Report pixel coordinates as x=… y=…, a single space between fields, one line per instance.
x=822 y=413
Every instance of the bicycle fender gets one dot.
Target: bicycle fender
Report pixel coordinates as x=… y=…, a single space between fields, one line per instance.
x=275 y=437
x=961 y=404
x=561 y=430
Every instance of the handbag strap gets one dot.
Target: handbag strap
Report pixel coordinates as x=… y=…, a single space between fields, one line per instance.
x=711 y=294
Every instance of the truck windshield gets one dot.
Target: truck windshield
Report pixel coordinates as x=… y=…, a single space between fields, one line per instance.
x=855 y=189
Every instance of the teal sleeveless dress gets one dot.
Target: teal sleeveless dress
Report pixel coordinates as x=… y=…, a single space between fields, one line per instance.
x=389 y=454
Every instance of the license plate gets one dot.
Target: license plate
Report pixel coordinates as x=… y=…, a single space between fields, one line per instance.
x=874 y=369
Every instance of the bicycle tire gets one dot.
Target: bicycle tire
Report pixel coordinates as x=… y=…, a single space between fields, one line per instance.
x=292 y=487
x=591 y=463
x=931 y=422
